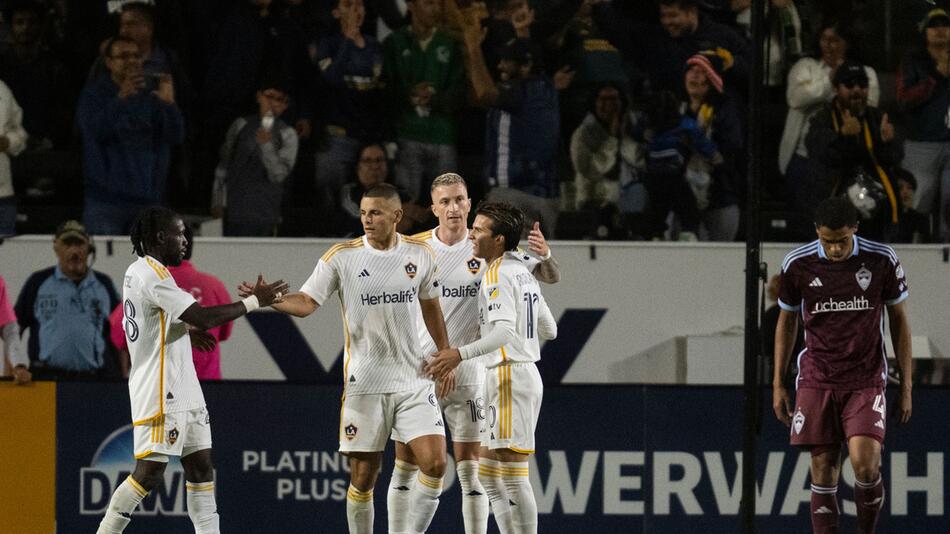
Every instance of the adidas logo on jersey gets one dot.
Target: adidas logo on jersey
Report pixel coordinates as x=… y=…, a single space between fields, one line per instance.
x=815 y=283
x=363 y=274
x=879 y=424
x=169 y=396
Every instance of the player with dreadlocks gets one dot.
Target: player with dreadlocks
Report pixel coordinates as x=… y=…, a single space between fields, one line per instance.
x=169 y=416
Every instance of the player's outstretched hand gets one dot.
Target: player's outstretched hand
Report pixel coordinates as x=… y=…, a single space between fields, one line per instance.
x=202 y=341
x=782 y=405
x=268 y=294
x=536 y=241
x=442 y=363
x=446 y=385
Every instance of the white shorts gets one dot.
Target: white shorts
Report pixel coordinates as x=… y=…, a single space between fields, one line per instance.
x=367 y=421
x=513 y=393
x=464 y=414
x=175 y=434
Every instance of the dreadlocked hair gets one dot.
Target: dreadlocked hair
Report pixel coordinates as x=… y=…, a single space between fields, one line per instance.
x=147 y=225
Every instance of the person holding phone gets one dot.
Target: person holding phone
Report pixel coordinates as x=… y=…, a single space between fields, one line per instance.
x=128 y=131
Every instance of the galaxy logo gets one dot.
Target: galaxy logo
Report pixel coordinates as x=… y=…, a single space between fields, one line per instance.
x=112 y=462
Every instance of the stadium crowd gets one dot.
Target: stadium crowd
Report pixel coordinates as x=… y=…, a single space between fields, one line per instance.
x=602 y=120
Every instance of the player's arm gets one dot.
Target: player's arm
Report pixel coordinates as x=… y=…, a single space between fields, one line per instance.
x=500 y=333
x=547 y=326
x=262 y=294
x=298 y=304
x=900 y=335
x=785 y=332
x=548 y=270
x=435 y=322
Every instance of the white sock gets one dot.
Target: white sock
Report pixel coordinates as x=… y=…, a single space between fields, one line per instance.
x=424 y=501
x=397 y=498
x=524 y=510
x=474 y=500
x=489 y=474
x=359 y=511
x=202 y=508
x=124 y=501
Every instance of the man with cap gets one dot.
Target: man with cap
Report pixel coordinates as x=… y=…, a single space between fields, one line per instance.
x=523 y=123
x=66 y=309
x=923 y=93
x=850 y=147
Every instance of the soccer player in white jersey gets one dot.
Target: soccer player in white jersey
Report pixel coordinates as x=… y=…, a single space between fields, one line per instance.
x=168 y=408
x=513 y=318
x=382 y=278
x=459 y=277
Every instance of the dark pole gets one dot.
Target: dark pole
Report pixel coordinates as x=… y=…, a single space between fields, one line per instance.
x=752 y=265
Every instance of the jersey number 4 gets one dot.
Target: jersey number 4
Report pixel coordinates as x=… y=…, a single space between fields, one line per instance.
x=131 y=327
x=879 y=405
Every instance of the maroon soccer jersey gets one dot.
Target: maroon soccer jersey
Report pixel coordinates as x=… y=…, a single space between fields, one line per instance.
x=842 y=306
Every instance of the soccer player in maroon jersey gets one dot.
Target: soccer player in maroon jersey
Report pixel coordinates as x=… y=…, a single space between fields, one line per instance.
x=840 y=285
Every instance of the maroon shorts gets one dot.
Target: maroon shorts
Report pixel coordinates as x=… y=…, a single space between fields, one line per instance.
x=828 y=417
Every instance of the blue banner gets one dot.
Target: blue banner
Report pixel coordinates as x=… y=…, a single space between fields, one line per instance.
x=611 y=459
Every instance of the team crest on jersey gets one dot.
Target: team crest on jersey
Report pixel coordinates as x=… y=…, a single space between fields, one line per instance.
x=350 y=431
x=899 y=272
x=474 y=266
x=172 y=436
x=411 y=269
x=864 y=277
x=493 y=294
x=798 y=421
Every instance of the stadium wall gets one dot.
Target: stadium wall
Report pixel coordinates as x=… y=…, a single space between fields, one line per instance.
x=619 y=459
x=621 y=306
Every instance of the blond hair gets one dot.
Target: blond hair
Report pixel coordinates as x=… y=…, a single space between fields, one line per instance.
x=449 y=178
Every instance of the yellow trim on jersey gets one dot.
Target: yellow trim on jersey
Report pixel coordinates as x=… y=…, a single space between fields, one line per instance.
x=161 y=367
x=136 y=486
x=491 y=275
x=522 y=451
x=355 y=243
x=143 y=455
x=504 y=402
x=415 y=241
x=504 y=355
x=159 y=269
x=423 y=236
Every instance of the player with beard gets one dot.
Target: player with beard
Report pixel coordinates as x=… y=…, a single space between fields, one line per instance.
x=169 y=416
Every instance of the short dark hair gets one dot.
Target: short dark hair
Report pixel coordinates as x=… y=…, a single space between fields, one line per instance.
x=146 y=227
x=685 y=5
x=835 y=213
x=506 y=220
x=387 y=191
x=146 y=10
x=110 y=44
x=900 y=173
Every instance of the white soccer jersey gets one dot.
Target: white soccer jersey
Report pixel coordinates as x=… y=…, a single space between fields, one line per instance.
x=510 y=292
x=459 y=277
x=379 y=292
x=162 y=378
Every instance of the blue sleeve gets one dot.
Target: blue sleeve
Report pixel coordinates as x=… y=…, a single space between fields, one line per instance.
x=171 y=124
x=98 y=116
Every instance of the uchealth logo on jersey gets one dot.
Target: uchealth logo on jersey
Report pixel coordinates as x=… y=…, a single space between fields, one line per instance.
x=350 y=431
x=474 y=265
x=798 y=421
x=864 y=278
x=411 y=269
x=112 y=463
